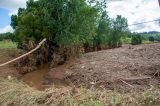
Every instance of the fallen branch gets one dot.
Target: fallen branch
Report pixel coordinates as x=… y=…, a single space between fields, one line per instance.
x=38 y=46
x=126 y=83
x=136 y=78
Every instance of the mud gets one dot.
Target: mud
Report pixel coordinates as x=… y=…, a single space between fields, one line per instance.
x=37 y=79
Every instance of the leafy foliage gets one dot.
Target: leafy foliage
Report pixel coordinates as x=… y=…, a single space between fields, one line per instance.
x=148 y=37
x=151 y=38
x=6 y=36
x=61 y=22
x=69 y=22
x=136 y=39
x=69 y=26
x=110 y=31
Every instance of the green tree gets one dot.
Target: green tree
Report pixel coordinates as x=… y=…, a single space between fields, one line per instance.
x=119 y=27
x=136 y=39
x=72 y=21
x=151 y=38
x=28 y=23
x=103 y=31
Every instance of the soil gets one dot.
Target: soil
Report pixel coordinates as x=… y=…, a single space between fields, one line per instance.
x=6 y=55
x=123 y=69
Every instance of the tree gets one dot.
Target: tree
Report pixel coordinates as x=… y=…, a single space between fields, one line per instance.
x=103 y=31
x=119 y=27
x=136 y=39
x=28 y=23
x=73 y=21
x=151 y=38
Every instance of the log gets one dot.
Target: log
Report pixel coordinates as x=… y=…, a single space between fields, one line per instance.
x=26 y=54
x=136 y=78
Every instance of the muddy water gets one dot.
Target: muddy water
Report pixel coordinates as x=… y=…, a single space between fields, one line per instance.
x=36 y=78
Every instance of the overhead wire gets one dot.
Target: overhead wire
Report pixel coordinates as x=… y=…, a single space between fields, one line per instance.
x=157 y=19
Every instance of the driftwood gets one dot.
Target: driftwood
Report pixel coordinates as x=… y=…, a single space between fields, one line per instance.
x=126 y=80
x=126 y=83
x=26 y=54
x=136 y=78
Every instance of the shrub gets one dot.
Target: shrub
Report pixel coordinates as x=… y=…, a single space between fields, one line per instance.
x=136 y=39
x=151 y=38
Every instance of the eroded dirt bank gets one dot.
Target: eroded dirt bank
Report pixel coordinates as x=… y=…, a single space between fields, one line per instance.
x=6 y=55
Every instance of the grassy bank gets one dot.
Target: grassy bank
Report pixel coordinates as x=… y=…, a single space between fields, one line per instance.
x=15 y=93
x=7 y=44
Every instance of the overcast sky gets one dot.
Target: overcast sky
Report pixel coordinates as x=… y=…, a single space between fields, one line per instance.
x=134 y=10
x=137 y=11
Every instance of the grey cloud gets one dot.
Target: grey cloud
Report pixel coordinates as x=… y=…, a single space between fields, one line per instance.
x=12 y=4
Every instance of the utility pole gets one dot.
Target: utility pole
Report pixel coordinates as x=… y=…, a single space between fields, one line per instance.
x=159 y=2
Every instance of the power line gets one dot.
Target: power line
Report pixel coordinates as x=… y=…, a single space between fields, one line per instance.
x=145 y=22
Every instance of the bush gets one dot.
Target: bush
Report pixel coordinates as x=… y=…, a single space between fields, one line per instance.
x=136 y=39
x=151 y=38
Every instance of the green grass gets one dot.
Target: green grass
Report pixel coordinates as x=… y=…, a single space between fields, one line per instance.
x=7 y=44
x=146 y=42
x=126 y=40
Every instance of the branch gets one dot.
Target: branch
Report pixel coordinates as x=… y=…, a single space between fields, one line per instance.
x=38 y=46
x=127 y=83
x=136 y=78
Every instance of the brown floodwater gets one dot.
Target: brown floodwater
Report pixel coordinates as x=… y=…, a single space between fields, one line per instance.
x=35 y=79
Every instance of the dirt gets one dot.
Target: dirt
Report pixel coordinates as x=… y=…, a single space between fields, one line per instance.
x=6 y=55
x=123 y=69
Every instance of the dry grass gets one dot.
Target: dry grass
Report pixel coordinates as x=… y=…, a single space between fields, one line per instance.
x=15 y=93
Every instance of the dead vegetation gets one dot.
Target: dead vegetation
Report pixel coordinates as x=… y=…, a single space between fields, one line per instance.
x=127 y=76
x=16 y=93
x=123 y=69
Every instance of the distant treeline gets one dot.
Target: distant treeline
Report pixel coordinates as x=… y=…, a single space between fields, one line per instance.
x=151 y=32
x=151 y=37
x=7 y=36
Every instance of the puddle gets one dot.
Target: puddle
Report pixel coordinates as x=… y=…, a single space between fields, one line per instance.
x=35 y=79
